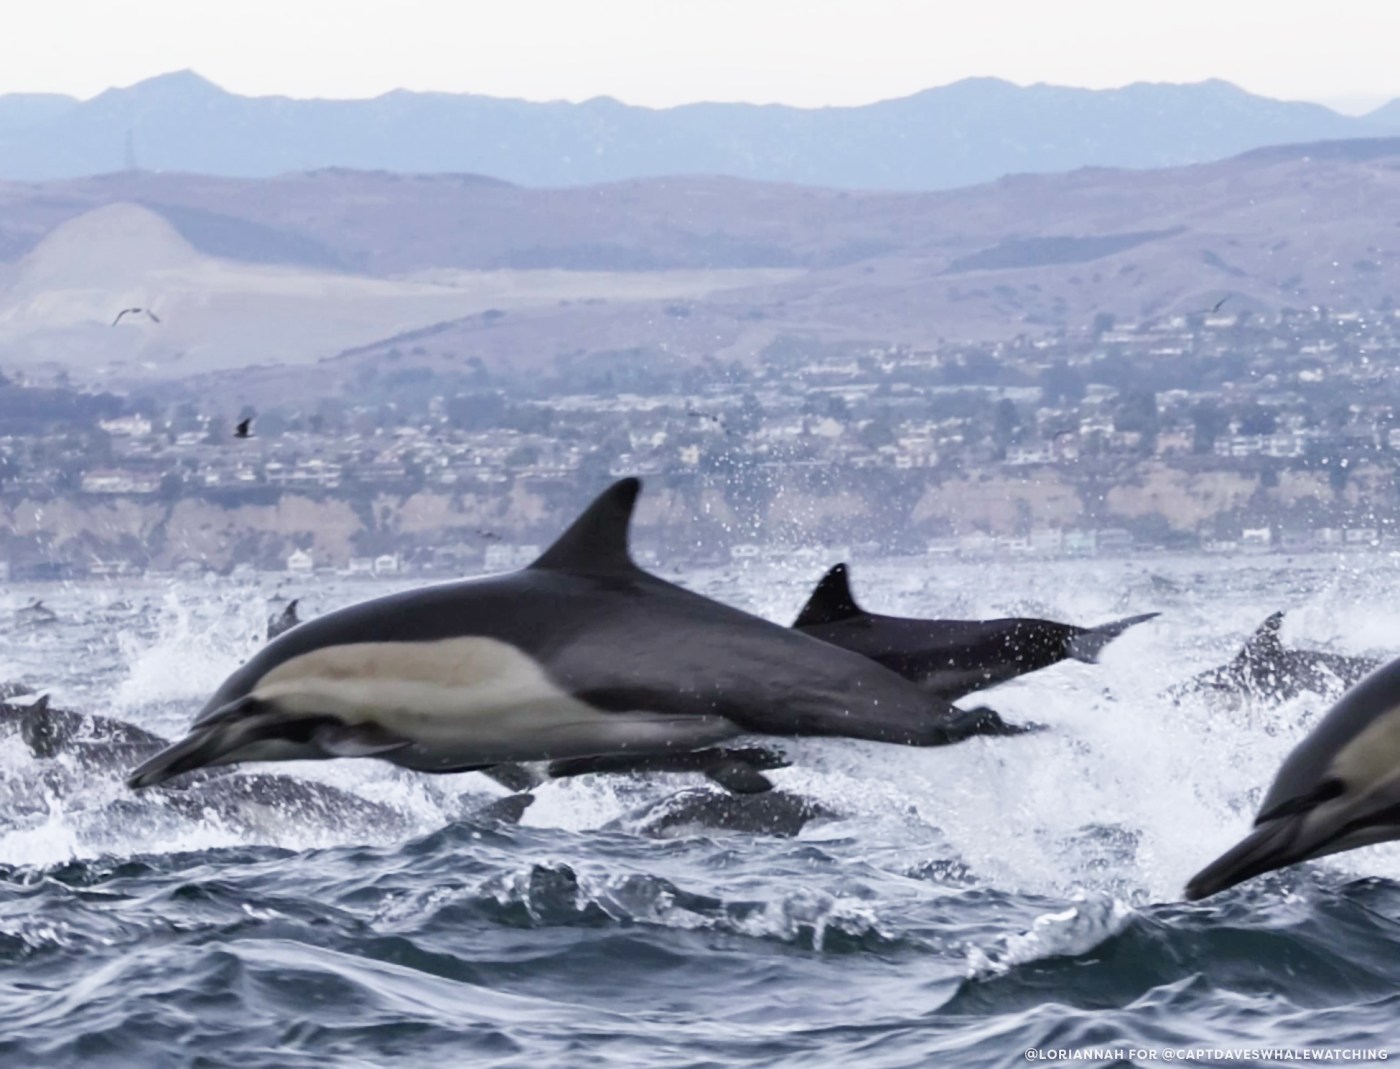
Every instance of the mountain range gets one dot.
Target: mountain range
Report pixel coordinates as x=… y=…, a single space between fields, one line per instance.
x=971 y=131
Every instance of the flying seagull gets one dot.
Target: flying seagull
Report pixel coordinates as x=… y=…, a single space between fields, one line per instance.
x=136 y=311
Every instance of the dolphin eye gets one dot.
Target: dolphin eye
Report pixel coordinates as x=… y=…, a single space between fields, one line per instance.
x=1327 y=789
x=1331 y=787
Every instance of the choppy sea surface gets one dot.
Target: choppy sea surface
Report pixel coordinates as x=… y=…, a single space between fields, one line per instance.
x=959 y=906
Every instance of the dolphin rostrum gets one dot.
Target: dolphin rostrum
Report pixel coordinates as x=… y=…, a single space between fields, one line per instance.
x=1338 y=789
x=580 y=655
x=949 y=657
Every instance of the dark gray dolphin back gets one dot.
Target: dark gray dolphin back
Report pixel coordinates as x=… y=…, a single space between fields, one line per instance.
x=621 y=639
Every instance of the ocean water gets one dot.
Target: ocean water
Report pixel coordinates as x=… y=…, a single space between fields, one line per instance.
x=959 y=906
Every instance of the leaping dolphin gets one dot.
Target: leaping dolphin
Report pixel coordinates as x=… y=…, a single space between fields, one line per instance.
x=1338 y=789
x=949 y=657
x=580 y=655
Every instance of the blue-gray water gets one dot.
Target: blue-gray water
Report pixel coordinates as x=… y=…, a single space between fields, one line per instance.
x=967 y=904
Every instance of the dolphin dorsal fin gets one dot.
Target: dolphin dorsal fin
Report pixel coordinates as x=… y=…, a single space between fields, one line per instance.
x=831 y=602
x=1265 y=639
x=596 y=542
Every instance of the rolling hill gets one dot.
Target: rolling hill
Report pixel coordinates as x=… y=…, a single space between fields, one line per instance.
x=297 y=269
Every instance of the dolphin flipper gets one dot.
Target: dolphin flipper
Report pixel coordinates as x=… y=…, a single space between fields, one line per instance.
x=511 y=776
x=358 y=740
x=736 y=777
x=507 y=810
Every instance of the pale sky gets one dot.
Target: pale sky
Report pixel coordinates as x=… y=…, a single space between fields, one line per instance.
x=665 y=52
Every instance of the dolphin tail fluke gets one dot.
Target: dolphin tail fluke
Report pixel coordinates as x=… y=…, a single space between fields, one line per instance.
x=1087 y=645
x=969 y=723
x=831 y=602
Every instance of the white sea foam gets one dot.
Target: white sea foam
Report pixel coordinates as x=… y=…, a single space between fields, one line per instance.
x=1124 y=797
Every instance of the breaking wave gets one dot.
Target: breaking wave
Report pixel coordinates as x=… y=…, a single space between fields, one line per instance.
x=960 y=904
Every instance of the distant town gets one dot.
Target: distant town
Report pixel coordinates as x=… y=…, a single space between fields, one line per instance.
x=1217 y=431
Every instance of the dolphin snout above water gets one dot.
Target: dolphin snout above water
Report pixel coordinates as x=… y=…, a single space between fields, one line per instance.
x=581 y=655
x=1339 y=789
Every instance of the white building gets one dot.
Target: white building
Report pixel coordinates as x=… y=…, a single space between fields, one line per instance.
x=126 y=426
x=120 y=482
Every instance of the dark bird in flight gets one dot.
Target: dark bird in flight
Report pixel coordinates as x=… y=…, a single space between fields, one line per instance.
x=243 y=428
x=136 y=311
x=1213 y=308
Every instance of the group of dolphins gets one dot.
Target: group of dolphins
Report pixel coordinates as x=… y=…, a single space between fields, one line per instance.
x=583 y=662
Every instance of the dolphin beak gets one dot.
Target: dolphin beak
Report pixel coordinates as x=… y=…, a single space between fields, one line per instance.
x=1270 y=846
x=195 y=750
x=212 y=741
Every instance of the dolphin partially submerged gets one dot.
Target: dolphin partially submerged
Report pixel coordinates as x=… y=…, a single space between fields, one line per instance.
x=950 y=658
x=580 y=655
x=91 y=743
x=284 y=621
x=699 y=811
x=1338 y=789
x=85 y=745
x=1266 y=670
